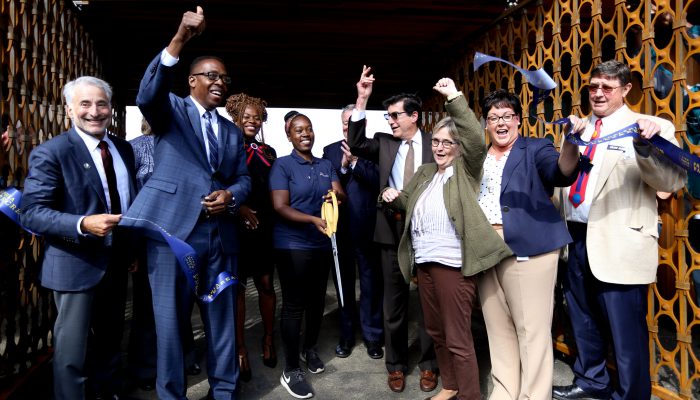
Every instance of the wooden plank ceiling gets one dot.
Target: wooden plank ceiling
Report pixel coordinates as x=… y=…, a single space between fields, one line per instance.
x=294 y=53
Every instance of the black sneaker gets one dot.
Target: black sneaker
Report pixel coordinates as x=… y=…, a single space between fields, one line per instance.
x=295 y=384
x=313 y=363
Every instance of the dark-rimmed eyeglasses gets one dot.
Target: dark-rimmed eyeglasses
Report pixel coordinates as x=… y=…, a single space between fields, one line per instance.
x=593 y=89
x=394 y=115
x=446 y=144
x=215 y=76
x=493 y=119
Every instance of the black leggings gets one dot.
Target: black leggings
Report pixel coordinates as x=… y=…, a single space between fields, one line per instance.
x=303 y=277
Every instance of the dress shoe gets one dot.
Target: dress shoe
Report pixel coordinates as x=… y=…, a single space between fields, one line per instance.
x=193 y=369
x=244 y=373
x=573 y=392
x=147 y=385
x=396 y=381
x=428 y=380
x=374 y=349
x=268 y=351
x=344 y=348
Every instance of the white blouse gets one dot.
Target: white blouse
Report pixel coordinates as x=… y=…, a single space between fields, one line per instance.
x=433 y=235
x=490 y=188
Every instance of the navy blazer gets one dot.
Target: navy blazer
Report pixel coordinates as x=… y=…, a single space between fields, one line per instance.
x=361 y=185
x=182 y=175
x=62 y=186
x=531 y=223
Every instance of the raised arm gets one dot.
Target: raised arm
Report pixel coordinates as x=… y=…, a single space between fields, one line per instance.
x=469 y=131
x=360 y=144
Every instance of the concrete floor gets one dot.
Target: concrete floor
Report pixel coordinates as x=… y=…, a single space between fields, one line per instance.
x=355 y=377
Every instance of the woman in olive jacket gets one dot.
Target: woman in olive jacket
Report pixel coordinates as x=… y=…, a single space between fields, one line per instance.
x=446 y=243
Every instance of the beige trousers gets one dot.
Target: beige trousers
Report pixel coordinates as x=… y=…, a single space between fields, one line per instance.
x=517 y=300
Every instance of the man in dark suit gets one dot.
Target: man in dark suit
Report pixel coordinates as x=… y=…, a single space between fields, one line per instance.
x=200 y=176
x=360 y=179
x=78 y=185
x=391 y=152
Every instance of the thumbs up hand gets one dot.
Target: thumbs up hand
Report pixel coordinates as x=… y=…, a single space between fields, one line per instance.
x=192 y=24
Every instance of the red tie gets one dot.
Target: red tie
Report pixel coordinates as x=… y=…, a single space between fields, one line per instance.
x=114 y=200
x=577 y=192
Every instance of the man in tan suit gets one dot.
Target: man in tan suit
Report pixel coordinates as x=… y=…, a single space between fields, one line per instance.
x=611 y=214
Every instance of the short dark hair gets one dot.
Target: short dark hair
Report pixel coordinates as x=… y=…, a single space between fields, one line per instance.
x=411 y=103
x=613 y=69
x=501 y=98
x=200 y=59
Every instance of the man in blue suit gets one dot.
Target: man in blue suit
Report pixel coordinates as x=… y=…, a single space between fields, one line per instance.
x=78 y=185
x=200 y=177
x=360 y=179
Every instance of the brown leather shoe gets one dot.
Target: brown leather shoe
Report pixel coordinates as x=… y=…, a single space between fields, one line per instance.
x=428 y=380
x=396 y=381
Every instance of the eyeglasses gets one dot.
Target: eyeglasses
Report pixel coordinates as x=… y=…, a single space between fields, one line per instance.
x=445 y=143
x=493 y=119
x=593 y=89
x=214 y=76
x=394 y=115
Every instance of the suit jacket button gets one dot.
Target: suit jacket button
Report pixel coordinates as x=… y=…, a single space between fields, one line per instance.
x=505 y=209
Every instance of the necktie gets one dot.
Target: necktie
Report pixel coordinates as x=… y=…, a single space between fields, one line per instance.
x=115 y=206
x=409 y=164
x=213 y=142
x=577 y=192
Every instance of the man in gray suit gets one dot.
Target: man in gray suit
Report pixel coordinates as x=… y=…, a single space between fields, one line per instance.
x=78 y=185
x=199 y=178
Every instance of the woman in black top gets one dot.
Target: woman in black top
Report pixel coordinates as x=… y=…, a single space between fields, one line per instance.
x=255 y=215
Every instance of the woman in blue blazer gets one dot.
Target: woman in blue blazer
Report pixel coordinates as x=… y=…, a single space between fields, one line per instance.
x=517 y=295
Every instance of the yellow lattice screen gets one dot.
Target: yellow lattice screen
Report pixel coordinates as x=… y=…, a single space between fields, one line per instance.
x=661 y=43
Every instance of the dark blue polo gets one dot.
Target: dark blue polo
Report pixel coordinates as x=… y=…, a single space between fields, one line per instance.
x=307 y=183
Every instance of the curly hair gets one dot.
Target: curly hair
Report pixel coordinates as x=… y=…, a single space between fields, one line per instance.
x=236 y=105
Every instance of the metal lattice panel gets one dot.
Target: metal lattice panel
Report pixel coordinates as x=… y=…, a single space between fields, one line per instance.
x=661 y=45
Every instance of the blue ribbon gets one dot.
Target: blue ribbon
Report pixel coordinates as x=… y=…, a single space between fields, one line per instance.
x=689 y=162
x=539 y=79
x=10 y=203
x=187 y=259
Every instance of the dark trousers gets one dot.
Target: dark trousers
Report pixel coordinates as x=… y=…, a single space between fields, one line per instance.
x=172 y=304
x=92 y=319
x=396 y=318
x=363 y=258
x=447 y=299
x=303 y=278
x=600 y=311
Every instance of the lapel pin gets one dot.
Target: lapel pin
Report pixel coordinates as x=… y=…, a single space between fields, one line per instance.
x=86 y=166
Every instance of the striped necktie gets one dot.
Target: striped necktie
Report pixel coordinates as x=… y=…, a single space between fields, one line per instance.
x=577 y=192
x=213 y=142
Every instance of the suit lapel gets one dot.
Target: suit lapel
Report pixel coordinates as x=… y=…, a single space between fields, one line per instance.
x=514 y=158
x=224 y=134
x=427 y=148
x=82 y=157
x=196 y=123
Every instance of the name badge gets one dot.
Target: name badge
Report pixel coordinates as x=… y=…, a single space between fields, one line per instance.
x=616 y=148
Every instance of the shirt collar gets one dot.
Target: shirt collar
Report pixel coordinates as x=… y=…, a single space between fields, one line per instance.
x=90 y=141
x=301 y=159
x=201 y=110
x=417 y=138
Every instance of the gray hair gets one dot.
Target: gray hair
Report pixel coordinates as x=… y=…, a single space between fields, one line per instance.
x=69 y=88
x=448 y=123
x=349 y=107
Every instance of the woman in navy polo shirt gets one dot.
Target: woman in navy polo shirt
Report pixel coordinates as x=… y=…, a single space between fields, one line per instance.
x=299 y=184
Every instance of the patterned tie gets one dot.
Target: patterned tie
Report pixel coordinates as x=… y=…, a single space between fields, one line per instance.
x=409 y=164
x=213 y=142
x=577 y=192
x=114 y=200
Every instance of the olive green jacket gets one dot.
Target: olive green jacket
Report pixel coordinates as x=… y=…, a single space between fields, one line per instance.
x=482 y=247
